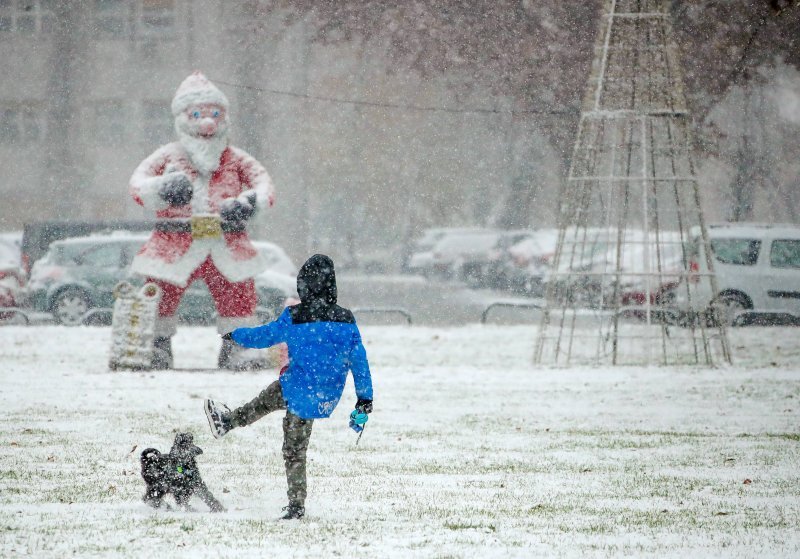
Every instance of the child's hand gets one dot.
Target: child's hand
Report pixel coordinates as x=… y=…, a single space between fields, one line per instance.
x=364 y=406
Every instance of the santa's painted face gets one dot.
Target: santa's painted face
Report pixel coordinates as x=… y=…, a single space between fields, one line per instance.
x=204 y=121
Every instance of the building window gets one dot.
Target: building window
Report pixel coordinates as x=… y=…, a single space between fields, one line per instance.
x=20 y=125
x=120 y=19
x=156 y=18
x=157 y=121
x=111 y=18
x=26 y=17
x=110 y=123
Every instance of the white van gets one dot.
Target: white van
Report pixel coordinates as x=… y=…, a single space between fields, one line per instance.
x=757 y=274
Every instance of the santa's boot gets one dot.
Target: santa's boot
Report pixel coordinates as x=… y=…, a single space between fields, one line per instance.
x=162 y=353
x=164 y=329
x=237 y=358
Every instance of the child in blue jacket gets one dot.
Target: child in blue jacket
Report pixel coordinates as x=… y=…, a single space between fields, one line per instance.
x=324 y=344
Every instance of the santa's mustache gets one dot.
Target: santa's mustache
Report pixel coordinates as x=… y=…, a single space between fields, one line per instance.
x=200 y=128
x=203 y=151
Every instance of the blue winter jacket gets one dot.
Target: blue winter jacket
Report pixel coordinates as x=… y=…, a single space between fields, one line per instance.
x=320 y=354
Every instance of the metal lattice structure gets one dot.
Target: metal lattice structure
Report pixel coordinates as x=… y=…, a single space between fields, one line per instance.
x=630 y=213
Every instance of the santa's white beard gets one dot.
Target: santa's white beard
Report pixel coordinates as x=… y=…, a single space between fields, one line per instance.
x=203 y=152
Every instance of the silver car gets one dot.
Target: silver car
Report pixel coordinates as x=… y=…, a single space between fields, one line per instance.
x=757 y=274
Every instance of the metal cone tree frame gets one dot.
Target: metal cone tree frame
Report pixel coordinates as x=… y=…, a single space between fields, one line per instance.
x=630 y=215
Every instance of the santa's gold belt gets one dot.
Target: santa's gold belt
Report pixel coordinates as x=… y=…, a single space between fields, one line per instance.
x=187 y=226
x=205 y=227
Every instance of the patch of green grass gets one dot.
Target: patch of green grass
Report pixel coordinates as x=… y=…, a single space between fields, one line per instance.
x=788 y=436
x=470 y=526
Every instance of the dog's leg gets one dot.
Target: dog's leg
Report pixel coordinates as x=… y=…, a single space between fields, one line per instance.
x=154 y=496
x=183 y=498
x=208 y=498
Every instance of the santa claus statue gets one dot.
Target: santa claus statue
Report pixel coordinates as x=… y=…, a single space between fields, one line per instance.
x=202 y=191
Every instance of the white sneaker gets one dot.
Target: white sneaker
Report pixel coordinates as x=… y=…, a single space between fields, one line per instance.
x=219 y=418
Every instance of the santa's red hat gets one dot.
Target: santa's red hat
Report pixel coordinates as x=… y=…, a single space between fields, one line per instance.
x=195 y=90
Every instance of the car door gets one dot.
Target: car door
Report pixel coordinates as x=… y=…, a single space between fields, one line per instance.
x=783 y=276
x=102 y=267
x=738 y=262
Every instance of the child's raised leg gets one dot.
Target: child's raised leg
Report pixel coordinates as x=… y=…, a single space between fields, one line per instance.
x=268 y=400
x=221 y=419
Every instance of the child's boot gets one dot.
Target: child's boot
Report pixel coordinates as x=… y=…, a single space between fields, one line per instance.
x=294 y=512
x=219 y=418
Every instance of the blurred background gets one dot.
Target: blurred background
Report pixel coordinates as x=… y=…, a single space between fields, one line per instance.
x=376 y=121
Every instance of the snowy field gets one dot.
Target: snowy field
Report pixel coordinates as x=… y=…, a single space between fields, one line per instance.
x=471 y=452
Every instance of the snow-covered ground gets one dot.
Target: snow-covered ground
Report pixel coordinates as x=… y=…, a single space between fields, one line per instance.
x=471 y=452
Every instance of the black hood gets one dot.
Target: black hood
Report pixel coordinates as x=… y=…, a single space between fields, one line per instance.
x=316 y=282
x=316 y=286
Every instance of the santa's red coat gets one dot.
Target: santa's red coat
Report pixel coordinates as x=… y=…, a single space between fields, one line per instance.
x=173 y=256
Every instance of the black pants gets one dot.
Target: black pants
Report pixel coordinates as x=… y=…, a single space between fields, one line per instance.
x=296 y=434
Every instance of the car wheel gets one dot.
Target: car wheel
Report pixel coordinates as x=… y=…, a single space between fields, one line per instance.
x=69 y=306
x=726 y=308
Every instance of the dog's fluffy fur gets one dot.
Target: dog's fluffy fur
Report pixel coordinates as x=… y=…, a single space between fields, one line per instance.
x=175 y=473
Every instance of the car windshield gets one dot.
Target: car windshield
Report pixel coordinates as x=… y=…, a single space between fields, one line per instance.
x=102 y=255
x=429 y=239
x=473 y=242
x=507 y=241
x=272 y=257
x=577 y=253
x=276 y=258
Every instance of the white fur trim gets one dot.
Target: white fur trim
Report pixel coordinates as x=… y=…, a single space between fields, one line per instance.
x=259 y=179
x=237 y=270
x=148 y=192
x=178 y=272
x=196 y=90
x=200 y=204
x=145 y=184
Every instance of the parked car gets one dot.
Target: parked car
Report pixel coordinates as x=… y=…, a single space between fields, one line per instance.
x=639 y=268
x=12 y=275
x=454 y=253
x=278 y=261
x=527 y=262
x=485 y=269
x=584 y=257
x=37 y=236
x=78 y=275
x=420 y=260
x=757 y=268
x=646 y=287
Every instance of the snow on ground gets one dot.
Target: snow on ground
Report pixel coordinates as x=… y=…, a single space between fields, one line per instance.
x=471 y=452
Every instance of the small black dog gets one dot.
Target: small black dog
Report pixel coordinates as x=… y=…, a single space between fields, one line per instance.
x=175 y=473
